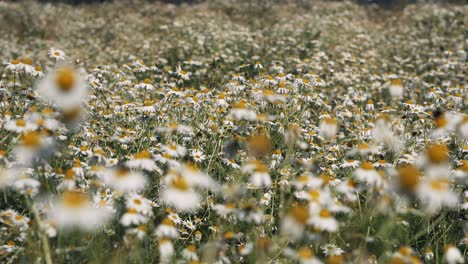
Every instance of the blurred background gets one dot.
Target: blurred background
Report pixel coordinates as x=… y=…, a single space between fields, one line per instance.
x=382 y=3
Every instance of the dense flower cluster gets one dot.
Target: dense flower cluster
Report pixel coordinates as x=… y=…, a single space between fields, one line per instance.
x=322 y=137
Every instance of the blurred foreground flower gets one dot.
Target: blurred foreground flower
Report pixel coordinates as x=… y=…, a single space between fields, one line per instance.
x=75 y=210
x=63 y=87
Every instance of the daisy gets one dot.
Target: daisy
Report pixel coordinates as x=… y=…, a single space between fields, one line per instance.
x=180 y=195
x=306 y=256
x=304 y=180
x=139 y=203
x=428 y=254
x=124 y=180
x=225 y=210
x=167 y=230
x=435 y=193
x=293 y=225
x=366 y=173
x=324 y=221
x=396 y=88
x=232 y=163
x=240 y=111
x=143 y=160
x=453 y=255
x=182 y=74
x=174 y=150
x=331 y=250
x=196 y=177
x=33 y=147
x=259 y=173
x=20 y=125
x=24 y=184
x=145 y=85
x=132 y=217
x=408 y=177
x=140 y=231
x=26 y=65
x=382 y=164
x=64 y=87
x=328 y=127
x=74 y=210
x=258 y=65
x=190 y=253
x=14 y=65
x=166 y=250
x=57 y=54
x=350 y=164
x=197 y=155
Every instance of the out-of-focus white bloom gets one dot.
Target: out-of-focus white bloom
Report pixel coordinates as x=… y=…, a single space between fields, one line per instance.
x=435 y=193
x=241 y=112
x=453 y=255
x=124 y=180
x=180 y=195
x=166 y=250
x=167 y=230
x=74 y=210
x=20 y=125
x=294 y=222
x=366 y=173
x=323 y=220
x=328 y=127
x=64 y=87
x=132 y=217
x=259 y=173
x=143 y=160
x=396 y=88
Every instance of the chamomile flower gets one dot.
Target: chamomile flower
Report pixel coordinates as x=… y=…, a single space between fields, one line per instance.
x=180 y=195
x=143 y=160
x=74 y=209
x=124 y=180
x=57 y=54
x=64 y=87
x=167 y=230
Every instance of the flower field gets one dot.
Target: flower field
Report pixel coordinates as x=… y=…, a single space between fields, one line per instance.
x=233 y=132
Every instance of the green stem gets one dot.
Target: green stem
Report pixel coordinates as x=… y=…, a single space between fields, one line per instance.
x=41 y=230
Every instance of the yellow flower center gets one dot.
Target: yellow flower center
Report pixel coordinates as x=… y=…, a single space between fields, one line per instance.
x=314 y=195
x=325 y=213
x=74 y=199
x=20 y=123
x=441 y=122
x=367 y=165
x=122 y=172
x=396 y=82
x=300 y=214
x=408 y=177
x=180 y=183
x=137 y=201
x=27 y=61
x=305 y=253
x=65 y=79
x=439 y=184
x=437 y=153
x=31 y=139
x=143 y=155
x=69 y=175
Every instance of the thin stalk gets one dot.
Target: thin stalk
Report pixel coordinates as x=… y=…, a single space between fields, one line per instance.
x=41 y=230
